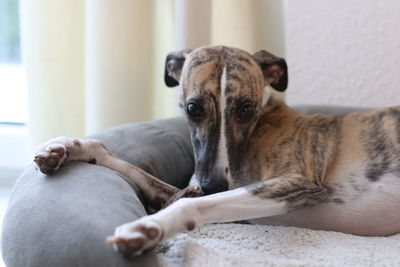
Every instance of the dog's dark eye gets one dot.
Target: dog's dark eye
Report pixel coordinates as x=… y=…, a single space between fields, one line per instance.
x=246 y=111
x=194 y=110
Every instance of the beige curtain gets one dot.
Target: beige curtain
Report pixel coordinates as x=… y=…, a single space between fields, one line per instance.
x=98 y=63
x=52 y=52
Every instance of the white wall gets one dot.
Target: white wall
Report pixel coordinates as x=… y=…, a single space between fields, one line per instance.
x=343 y=52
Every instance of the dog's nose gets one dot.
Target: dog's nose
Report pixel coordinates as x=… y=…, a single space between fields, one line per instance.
x=214 y=186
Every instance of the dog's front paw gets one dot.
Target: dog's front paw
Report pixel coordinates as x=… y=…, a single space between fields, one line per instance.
x=132 y=239
x=49 y=158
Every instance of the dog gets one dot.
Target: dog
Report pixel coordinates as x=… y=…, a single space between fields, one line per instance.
x=255 y=158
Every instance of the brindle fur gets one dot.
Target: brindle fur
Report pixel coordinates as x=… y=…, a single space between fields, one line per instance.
x=311 y=145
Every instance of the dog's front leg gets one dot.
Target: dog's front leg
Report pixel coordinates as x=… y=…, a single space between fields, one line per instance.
x=50 y=156
x=268 y=198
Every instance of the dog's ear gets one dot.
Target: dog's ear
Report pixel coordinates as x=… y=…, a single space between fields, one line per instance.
x=274 y=70
x=173 y=67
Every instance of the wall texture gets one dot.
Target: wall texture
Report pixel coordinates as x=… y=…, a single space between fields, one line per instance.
x=343 y=52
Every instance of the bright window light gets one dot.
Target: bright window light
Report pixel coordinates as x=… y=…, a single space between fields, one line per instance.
x=13 y=93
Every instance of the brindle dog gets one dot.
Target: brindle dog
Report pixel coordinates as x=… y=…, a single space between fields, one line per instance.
x=256 y=158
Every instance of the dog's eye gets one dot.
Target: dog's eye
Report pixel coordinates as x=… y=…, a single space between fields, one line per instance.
x=194 y=110
x=246 y=111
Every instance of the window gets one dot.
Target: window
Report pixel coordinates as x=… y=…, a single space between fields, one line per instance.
x=13 y=93
x=13 y=96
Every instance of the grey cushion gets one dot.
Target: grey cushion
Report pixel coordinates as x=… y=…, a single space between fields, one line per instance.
x=317 y=109
x=63 y=219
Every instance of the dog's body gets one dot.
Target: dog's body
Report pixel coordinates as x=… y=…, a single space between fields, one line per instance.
x=355 y=156
x=338 y=173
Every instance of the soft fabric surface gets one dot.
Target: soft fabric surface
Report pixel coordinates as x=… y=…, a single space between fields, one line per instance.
x=257 y=245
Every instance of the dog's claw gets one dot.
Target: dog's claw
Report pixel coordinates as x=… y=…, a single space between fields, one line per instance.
x=128 y=247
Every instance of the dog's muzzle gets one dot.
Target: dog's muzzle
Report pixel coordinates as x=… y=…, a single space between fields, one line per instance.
x=214 y=185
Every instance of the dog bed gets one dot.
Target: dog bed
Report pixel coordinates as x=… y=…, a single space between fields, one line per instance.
x=63 y=219
x=262 y=245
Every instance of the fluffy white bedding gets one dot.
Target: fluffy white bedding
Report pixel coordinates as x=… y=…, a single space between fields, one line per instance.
x=260 y=245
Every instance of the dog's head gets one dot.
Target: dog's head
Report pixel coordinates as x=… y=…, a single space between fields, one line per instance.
x=223 y=92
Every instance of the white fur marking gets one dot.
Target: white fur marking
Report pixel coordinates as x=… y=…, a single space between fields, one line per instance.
x=222 y=159
x=267 y=94
x=233 y=205
x=238 y=204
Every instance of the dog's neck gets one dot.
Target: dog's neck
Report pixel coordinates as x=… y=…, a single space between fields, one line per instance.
x=276 y=111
